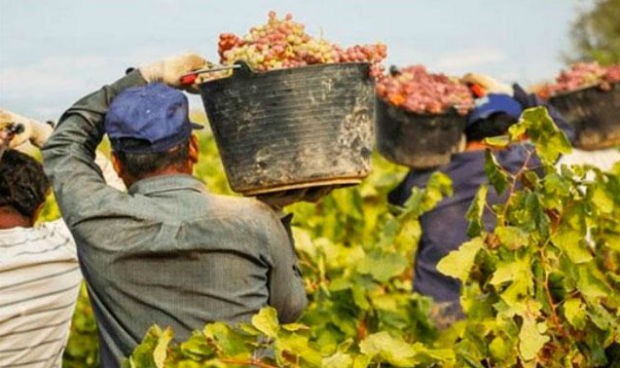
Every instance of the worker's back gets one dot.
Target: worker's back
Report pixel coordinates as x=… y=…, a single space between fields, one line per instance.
x=39 y=282
x=171 y=254
x=444 y=228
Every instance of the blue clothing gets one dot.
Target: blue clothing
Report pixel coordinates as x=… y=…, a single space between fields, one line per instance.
x=444 y=228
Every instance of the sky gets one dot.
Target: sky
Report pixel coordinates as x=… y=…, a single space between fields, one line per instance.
x=54 y=52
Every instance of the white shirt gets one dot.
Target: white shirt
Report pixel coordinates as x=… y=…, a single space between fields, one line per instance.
x=39 y=283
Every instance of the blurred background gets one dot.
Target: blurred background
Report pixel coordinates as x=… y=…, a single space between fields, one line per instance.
x=52 y=53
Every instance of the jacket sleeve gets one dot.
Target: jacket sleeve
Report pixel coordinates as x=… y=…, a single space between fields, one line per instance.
x=286 y=290
x=69 y=154
x=531 y=100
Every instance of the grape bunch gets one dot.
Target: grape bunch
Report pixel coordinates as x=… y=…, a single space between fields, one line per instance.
x=283 y=43
x=414 y=89
x=581 y=75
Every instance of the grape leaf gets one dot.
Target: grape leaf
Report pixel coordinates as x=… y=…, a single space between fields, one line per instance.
x=266 y=321
x=161 y=349
x=550 y=142
x=475 y=211
x=531 y=340
x=392 y=350
x=459 y=262
x=497 y=176
x=383 y=266
x=572 y=243
x=338 y=360
x=574 y=312
x=511 y=236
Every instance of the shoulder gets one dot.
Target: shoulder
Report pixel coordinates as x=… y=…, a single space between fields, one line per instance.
x=245 y=210
x=57 y=232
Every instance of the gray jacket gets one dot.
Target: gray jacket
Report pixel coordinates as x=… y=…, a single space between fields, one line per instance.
x=167 y=252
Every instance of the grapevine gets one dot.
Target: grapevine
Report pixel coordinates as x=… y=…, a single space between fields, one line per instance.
x=581 y=75
x=284 y=43
x=415 y=89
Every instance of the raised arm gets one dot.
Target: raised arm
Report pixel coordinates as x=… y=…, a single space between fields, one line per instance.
x=69 y=154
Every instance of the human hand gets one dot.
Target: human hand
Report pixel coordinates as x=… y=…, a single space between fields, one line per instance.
x=171 y=69
x=486 y=83
x=31 y=130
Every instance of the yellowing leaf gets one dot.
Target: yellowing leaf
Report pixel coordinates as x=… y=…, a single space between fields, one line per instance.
x=531 y=341
x=459 y=262
x=505 y=272
x=393 y=350
x=575 y=313
x=161 y=349
x=571 y=242
x=338 y=360
x=602 y=200
x=475 y=211
x=266 y=321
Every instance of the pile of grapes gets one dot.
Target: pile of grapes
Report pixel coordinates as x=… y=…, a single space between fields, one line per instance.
x=283 y=43
x=415 y=89
x=581 y=75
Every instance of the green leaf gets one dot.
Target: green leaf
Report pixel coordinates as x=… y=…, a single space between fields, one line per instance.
x=520 y=274
x=511 y=236
x=603 y=200
x=161 y=349
x=571 y=242
x=338 y=360
x=196 y=347
x=266 y=321
x=497 y=176
x=575 y=313
x=294 y=347
x=531 y=340
x=499 y=349
x=550 y=142
x=390 y=349
x=505 y=272
x=382 y=266
x=459 y=262
x=292 y=327
x=475 y=211
x=501 y=141
x=589 y=283
x=228 y=342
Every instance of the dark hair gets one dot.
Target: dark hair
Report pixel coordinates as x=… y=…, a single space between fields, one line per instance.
x=139 y=165
x=23 y=184
x=494 y=125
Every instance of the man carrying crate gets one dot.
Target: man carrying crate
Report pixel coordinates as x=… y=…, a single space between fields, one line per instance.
x=444 y=228
x=167 y=252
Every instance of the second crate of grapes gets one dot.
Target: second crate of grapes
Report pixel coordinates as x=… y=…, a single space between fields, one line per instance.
x=417 y=140
x=292 y=128
x=594 y=112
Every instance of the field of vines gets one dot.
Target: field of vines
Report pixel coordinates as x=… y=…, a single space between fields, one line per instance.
x=541 y=290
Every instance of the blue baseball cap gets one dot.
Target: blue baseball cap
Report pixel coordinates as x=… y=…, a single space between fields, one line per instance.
x=494 y=103
x=150 y=118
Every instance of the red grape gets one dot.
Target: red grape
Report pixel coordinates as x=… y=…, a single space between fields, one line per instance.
x=414 y=89
x=283 y=43
x=581 y=75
